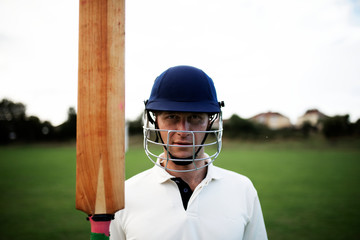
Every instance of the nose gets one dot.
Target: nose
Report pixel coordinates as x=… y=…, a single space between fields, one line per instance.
x=183 y=125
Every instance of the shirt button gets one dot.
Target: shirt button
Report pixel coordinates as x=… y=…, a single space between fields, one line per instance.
x=186 y=190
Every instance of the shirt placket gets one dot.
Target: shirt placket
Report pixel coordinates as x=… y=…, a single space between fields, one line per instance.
x=193 y=204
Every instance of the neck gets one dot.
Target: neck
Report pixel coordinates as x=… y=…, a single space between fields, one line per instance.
x=192 y=178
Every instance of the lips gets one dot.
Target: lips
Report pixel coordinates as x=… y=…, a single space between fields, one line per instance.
x=182 y=143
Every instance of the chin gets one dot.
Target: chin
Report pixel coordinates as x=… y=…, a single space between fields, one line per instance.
x=182 y=154
x=183 y=158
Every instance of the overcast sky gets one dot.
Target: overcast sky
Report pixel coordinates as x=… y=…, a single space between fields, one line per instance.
x=285 y=56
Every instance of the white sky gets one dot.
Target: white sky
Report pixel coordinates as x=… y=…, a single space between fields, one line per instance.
x=286 y=56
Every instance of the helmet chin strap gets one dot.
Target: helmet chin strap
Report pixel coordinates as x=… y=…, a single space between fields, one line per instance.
x=180 y=161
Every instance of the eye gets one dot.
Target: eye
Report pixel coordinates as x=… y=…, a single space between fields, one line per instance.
x=195 y=116
x=171 y=116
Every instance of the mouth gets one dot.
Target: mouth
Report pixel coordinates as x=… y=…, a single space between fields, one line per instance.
x=182 y=143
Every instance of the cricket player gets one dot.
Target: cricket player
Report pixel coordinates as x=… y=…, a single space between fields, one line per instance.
x=184 y=196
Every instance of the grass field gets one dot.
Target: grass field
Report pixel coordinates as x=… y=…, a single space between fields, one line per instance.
x=307 y=190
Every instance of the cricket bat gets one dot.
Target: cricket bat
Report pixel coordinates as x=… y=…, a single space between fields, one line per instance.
x=100 y=137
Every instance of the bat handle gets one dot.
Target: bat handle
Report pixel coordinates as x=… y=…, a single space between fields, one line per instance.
x=100 y=224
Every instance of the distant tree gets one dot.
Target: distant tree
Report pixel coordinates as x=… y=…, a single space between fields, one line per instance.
x=72 y=118
x=15 y=126
x=48 y=131
x=5 y=130
x=237 y=127
x=12 y=120
x=12 y=111
x=338 y=126
x=136 y=126
x=356 y=128
x=307 y=128
x=67 y=130
x=31 y=129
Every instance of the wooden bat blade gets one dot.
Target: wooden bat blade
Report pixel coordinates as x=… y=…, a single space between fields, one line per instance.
x=100 y=144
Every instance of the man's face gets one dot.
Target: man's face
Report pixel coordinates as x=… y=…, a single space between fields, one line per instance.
x=182 y=121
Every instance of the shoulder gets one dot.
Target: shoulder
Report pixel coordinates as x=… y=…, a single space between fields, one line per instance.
x=140 y=180
x=231 y=175
x=139 y=176
x=234 y=179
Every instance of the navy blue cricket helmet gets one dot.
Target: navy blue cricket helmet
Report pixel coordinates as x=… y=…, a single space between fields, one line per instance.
x=183 y=89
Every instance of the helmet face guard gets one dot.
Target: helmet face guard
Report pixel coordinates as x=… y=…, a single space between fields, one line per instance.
x=153 y=147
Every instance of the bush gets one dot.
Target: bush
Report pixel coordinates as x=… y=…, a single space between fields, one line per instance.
x=136 y=126
x=237 y=127
x=338 y=126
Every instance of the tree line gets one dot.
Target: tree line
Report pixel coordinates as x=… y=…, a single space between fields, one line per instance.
x=331 y=128
x=17 y=127
x=239 y=128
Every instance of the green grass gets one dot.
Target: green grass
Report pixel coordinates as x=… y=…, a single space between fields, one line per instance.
x=38 y=190
x=307 y=190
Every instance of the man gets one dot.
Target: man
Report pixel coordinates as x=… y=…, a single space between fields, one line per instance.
x=185 y=196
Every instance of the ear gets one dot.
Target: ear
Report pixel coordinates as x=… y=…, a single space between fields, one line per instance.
x=212 y=119
x=155 y=117
x=209 y=123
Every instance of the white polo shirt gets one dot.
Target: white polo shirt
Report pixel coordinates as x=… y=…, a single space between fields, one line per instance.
x=224 y=205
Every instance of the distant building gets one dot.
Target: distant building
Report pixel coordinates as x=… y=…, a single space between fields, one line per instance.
x=313 y=117
x=272 y=120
